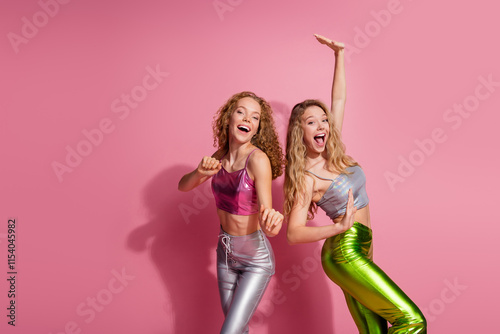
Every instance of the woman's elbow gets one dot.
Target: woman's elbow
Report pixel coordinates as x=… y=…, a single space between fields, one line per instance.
x=183 y=186
x=291 y=238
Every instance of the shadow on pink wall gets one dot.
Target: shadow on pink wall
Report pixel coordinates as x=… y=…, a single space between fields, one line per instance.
x=181 y=235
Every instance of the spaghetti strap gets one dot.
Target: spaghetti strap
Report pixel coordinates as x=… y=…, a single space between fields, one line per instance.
x=246 y=162
x=319 y=177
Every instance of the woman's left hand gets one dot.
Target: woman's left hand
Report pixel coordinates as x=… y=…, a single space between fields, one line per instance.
x=270 y=220
x=334 y=45
x=350 y=212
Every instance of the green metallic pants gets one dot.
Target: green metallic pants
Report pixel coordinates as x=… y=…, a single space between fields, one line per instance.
x=372 y=297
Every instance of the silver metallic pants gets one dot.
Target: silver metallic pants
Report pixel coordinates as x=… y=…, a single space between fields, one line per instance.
x=245 y=265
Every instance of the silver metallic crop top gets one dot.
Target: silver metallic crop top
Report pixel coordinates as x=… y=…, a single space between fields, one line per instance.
x=334 y=201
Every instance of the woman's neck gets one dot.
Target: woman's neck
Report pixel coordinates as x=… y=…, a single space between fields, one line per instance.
x=314 y=159
x=237 y=149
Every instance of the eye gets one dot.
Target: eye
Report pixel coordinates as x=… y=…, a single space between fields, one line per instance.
x=310 y=123
x=325 y=120
x=255 y=118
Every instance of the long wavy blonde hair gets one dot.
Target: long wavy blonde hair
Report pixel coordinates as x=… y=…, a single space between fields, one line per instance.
x=265 y=139
x=336 y=159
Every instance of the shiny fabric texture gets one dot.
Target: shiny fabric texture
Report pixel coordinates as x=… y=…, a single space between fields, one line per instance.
x=235 y=192
x=334 y=201
x=245 y=265
x=372 y=297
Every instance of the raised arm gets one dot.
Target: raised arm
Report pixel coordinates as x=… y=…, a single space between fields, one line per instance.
x=207 y=167
x=298 y=232
x=339 y=84
x=270 y=220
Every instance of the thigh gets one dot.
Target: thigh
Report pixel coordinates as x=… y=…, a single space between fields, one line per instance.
x=370 y=285
x=227 y=280
x=347 y=262
x=247 y=295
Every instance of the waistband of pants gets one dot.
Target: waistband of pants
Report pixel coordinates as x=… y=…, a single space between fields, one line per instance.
x=361 y=227
x=357 y=230
x=250 y=236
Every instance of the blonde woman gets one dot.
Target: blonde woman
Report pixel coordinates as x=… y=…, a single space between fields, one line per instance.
x=247 y=159
x=319 y=173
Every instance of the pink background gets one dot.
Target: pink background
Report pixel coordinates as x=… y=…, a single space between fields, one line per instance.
x=111 y=246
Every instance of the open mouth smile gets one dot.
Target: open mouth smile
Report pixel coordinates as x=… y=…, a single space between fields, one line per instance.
x=320 y=139
x=243 y=128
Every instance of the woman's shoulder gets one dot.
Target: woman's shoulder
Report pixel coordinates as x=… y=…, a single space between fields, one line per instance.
x=257 y=157
x=354 y=168
x=258 y=161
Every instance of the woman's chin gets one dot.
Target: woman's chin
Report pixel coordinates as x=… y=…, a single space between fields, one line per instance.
x=315 y=150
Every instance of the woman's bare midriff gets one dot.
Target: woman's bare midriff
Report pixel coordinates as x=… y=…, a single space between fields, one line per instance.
x=238 y=225
x=361 y=216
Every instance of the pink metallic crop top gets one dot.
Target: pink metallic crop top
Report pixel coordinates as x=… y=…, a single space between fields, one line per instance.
x=235 y=192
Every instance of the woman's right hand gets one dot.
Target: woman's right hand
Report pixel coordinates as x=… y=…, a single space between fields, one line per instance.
x=209 y=166
x=348 y=219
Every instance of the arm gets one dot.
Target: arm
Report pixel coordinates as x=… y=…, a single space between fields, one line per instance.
x=339 y=83
x=298 y=232
x=206 y=168
x=270 y=220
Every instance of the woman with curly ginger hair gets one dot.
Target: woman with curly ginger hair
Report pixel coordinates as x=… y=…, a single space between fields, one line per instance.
x=247 y=159
x=319 y=173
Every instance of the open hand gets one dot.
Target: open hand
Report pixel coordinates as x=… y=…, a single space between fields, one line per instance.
x=348 y=219
x=334 y=45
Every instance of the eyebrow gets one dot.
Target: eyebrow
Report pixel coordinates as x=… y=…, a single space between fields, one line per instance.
x=322 y=116
x=252 y=111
